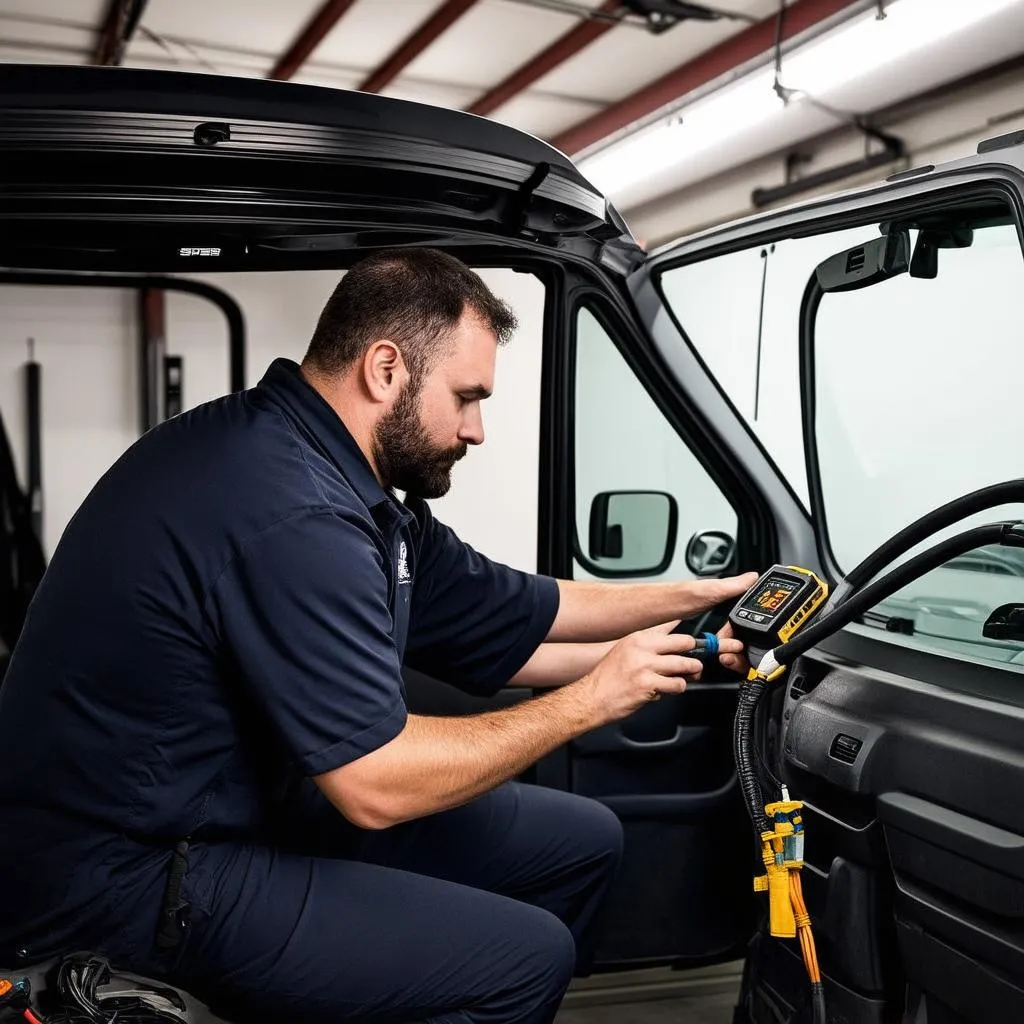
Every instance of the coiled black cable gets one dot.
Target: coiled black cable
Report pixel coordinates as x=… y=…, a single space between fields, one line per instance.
x=79 y=978
x=747 y=771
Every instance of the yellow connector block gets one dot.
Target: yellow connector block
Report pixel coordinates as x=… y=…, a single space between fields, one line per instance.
x=781 y=920
x=785 y=806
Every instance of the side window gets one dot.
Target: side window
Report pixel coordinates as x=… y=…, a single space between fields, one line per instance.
x=635 y=477
x=741 y=312
x=916 y=392
x=917 y=383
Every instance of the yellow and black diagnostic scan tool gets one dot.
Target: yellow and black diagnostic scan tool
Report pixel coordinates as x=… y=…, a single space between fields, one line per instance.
x=784 y=599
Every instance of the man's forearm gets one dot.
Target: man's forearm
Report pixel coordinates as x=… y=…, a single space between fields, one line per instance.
x=555 y=664
x=438 y=763
x=590 y=612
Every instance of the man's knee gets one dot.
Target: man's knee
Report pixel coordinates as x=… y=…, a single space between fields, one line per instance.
x=550 y=956
x=599 y=830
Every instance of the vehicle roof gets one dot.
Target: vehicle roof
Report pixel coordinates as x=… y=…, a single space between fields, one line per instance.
x=298 y=162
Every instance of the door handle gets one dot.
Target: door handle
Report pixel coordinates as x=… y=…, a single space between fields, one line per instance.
x=612 y=740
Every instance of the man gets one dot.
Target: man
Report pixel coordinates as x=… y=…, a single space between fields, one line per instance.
x=209 y=681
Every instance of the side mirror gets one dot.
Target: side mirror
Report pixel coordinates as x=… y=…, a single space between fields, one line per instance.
x=632 y=533
x=710 y=553
x=1005 y=623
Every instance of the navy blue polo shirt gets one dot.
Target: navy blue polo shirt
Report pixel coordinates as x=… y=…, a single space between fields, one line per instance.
x=231 y=605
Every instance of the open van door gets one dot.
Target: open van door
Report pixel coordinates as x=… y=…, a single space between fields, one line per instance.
x=860 y=358
x=648 y=475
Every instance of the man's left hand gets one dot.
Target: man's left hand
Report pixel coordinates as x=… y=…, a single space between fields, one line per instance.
x=734 y=662
x=701 y=595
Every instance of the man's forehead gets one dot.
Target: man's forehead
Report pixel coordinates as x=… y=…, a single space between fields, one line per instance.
x=473 y=349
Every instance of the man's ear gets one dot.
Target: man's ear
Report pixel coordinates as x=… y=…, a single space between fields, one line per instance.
x=384 y=371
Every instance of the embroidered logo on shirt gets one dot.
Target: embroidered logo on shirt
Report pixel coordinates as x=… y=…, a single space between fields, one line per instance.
x=403 y=564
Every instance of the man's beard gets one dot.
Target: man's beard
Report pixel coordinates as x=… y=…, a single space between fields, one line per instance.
x=406 y=459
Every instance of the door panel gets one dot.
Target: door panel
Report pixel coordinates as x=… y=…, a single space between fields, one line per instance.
x=667 y=772
x=683 y=894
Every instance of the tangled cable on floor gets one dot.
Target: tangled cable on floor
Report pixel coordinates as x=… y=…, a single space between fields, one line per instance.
x=79 y=1001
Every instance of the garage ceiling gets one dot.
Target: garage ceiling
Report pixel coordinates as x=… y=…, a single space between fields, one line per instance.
x=584 y=56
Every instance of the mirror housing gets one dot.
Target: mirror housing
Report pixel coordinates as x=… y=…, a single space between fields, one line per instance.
x=710 y=553
x=1005 y=623
x=925 y=261
x=632 y=533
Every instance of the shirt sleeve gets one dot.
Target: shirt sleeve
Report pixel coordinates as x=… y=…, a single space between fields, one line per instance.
x=303 y=612
x=474 y=622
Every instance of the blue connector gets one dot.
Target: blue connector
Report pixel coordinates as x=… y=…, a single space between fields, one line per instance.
x=706 y=647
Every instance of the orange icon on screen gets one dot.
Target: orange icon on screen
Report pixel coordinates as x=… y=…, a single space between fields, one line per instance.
x=771 y=600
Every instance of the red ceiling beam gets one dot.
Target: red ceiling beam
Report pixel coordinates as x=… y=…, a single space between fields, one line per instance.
x=118 y=26
x=742 y=47
x=437 y=24
x=310 y=38
x=557 y=53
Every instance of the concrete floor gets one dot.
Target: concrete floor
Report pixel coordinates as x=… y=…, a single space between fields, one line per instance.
x=703 y=996
x=696 y=1010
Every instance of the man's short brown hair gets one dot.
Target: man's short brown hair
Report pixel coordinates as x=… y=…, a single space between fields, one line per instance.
x=413 y=297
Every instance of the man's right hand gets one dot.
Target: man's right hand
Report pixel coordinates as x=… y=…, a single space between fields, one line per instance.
x=643 y=666
x=438 y=763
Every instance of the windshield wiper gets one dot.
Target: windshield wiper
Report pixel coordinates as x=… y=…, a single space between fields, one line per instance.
x=890 y=623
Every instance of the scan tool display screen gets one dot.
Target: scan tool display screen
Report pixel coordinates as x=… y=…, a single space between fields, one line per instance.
x=768 y=600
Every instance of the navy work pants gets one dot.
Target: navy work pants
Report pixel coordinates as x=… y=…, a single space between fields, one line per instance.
x=478 y=914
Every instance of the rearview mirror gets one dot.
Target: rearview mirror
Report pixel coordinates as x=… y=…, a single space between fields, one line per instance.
x=632 y=533
x=710 y=553
x=866 y=264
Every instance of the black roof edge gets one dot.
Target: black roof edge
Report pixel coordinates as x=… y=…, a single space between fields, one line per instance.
x=221 y=97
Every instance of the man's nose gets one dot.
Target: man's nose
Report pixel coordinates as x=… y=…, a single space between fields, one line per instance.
x=472 y=430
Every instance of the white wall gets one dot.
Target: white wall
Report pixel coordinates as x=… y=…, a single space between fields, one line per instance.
x=87 y=342
x=493 y=501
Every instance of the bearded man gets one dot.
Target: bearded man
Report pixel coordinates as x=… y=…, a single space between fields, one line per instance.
x=208 y=771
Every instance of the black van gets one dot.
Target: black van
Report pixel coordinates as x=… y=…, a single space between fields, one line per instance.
x=895 y=387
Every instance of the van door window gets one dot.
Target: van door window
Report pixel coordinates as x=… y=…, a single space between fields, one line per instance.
x=641 y=494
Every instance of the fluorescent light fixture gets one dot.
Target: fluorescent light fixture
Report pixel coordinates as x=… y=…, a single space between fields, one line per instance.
x=853 y=52
x=868 y=42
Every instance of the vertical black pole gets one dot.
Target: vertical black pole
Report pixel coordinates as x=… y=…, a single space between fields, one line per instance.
x=174 y=387
x=34 y=434
x=152 y=347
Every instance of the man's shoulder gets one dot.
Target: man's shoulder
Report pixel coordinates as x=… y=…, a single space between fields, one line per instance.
x=212 y=479
x=245 y=447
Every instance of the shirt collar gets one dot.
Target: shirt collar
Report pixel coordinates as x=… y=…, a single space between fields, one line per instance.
x=284 y=383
